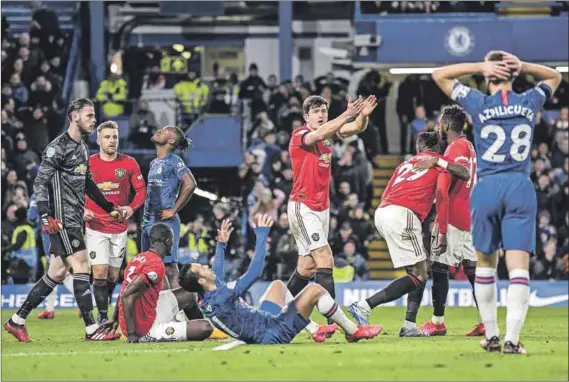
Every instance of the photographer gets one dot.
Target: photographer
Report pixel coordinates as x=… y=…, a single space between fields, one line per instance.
x=142 y=125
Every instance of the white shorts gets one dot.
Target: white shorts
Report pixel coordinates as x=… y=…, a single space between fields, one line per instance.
x=165 y=327
x=309 y=228
x=402 y=231
x=459 y=247
x=105 y=248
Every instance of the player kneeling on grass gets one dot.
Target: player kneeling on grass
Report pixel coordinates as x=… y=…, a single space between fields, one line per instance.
x=280 y=318
x=146 y=313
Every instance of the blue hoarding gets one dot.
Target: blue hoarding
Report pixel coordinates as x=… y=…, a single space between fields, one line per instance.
x=543 y=293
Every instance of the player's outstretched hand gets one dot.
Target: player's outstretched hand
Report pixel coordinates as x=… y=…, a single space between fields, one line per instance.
x=440 y=245
x=167 y=214
x=498 y=70
x=263 y=221
x=425 y=164
x=369 y=106
x=354 y=107
x=225 y=231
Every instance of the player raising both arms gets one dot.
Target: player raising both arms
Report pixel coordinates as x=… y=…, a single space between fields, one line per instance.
x=170 y=186
x=60 y=186
x=281 y=317
x=405 y=204
x=452 y=241
x=115 y=174
x=311 y=148
x=503 y=203
x=145 y=312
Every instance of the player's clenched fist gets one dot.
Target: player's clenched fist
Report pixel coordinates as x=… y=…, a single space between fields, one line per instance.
x=225 y=231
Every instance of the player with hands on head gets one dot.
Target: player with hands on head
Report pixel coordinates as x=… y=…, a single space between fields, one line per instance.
x=503 y=203
x=280 y=317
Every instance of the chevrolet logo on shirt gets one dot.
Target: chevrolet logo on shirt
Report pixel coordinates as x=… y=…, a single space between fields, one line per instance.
x=82 y=169
x=325 y=160
x=108 y=186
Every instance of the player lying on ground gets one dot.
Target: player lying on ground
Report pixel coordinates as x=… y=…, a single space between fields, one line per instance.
x=145 y=312
x=115 y=174
x=405 y=204
x=60 y=186
x=503 y=203
x=49 y=312
x=451 y=241
x=311 y=148
x=223 y=306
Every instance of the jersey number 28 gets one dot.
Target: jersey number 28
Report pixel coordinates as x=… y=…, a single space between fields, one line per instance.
x=521 y=143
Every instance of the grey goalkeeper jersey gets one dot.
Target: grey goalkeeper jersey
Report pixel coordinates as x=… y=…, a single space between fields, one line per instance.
x=63 y=180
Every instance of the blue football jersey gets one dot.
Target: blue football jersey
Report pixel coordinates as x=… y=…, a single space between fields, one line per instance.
x=503 y=126
x=164 y=179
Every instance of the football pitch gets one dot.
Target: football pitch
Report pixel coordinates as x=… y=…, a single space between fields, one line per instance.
x=59 y=353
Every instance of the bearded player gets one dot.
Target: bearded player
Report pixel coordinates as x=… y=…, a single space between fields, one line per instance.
x=309 y=204
x=452 y=241
x=115 y=175
x=503 y=204
x=170 y=186
x=405 y=204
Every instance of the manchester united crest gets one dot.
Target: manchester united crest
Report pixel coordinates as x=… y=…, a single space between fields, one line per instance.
x=120 y=173
x=327 y=143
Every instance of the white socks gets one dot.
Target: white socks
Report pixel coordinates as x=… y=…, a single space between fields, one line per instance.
x=485 y=289
x=517 y=303
x=364 y=306
x=438 y=320
x=409 y=325
x=68 y=282
x=50 y=300
x=329 y=309
x=18 y=320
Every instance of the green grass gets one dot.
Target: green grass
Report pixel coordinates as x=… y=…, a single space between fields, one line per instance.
x=59 y=353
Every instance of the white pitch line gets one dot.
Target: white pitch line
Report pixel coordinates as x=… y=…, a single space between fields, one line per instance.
x=131 y=351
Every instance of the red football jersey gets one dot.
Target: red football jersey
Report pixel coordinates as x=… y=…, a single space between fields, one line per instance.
x=312 y=170
x=115 y=179
x=150 y=268
x=461 y=152
x=410 y=189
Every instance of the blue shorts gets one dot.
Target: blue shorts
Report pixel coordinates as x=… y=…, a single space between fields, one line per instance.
x=503 y=210
x=281 y=325
x=174 y=223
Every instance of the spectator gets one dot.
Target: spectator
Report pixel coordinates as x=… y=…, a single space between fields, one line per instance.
x=549 y=267
x=419 y=124
x=289 y=112
x=562 y=122
x=192 y=95
x=362 y=228
x=356 y=260
x=55 y=79
x=262 y=125
x=42 y=94
x=341 y=237
x=142 y=126
x=112 y=94
x=26 y=162
x=37 y=131
x=56 y=67
x=560 y=148
x=335 y=106
x=272 y=83
x=9 y=188
x=19 y=90
x=44 y=21
x=198 y=237
x=23 y=250
x=545 y=229
x=265 y=203
x=253 y=86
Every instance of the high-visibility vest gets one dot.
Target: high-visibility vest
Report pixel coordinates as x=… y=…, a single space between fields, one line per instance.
x=344 y=274
x=131 y=249
x=116 y=90
x=29 y=251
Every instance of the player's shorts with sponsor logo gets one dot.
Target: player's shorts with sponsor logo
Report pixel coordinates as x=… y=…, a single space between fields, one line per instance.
x=165 y=327
x=105 y=248
x=67 y=241
x=309 y=228
x=459 y=247
x=174 y=223
x=402 y=231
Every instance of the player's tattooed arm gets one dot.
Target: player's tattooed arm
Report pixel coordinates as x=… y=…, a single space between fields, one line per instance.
x=456 y=170
x=187 y=189
x=331 y=128
x=361 y=121
x=133 y=291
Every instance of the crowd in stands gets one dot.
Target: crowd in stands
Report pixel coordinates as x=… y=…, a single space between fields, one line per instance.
x=31 y=116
